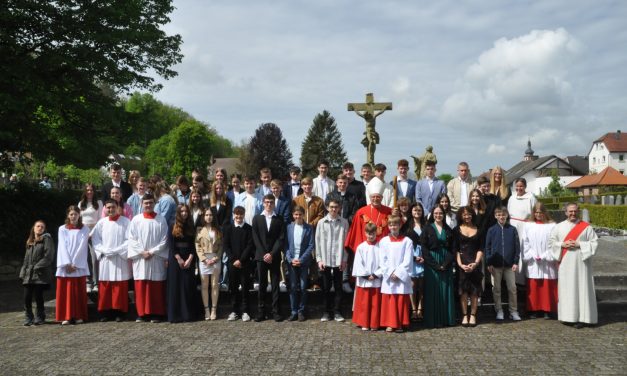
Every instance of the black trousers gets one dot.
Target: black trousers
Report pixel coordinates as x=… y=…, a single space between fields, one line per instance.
x=275 y=277
x=332 y=301
x=237 y=277
x=38 y=291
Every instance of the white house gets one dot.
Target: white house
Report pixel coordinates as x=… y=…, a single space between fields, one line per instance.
x=610 y=150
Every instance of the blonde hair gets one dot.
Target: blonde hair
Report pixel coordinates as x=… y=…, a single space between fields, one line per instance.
x=502 y=189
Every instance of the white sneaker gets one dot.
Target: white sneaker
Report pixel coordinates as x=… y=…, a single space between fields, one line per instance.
x=89 y=288
x=347 y=287
x=339 y=318
x=499 y=315
x=325 y=317
x=332 y=289
x=282 y=287
x=79 y=321
x=256 y=286
x=224 y=287
x=65 y=322
x=245 y=317
x=269 y=288
x=514 y=316
x=232 y=317
x=95 y=288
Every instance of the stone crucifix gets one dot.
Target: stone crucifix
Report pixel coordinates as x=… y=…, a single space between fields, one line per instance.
x=369 y=111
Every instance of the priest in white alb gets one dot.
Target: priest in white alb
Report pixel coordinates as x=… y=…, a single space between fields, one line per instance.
x=573 y=242
x=109 y=238
x=147 y=247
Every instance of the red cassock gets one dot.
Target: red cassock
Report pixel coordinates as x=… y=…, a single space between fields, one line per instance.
x=367 y=307
x=377 y=215
x=542 y=295
x=395 y=310
x=150 y=297
x=71 y=298
x=113 y=295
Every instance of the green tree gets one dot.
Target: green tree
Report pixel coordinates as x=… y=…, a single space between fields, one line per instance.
x=323 y=142
x=267 y=148
x=555 y=187
x=63 y=62
x=445 y=178
x=190 y=145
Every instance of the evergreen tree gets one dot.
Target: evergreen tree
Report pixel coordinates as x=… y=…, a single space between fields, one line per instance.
x=323 y=142
x=267 y=148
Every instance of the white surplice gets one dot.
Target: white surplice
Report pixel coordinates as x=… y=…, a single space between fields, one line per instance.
x=536 y=254
x=110 y=241
x=72 y=250
x=395 y=256
x=575 y=283
x=146 y=234
x=366 y=263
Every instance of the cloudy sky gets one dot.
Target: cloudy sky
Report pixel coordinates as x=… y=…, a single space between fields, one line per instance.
x=475 y=79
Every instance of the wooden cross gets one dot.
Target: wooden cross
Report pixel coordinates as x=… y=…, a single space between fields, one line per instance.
x=369 y=111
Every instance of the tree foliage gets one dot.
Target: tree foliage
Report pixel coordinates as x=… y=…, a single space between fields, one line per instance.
x=188 y=146
x=555 y=187
x=62 y=64
x=323 y=142
x=267 y=148
x=445 y=177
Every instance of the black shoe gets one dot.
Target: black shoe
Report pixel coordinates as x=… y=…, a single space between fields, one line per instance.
x=293 y=317
x=119 y=319
x=39 y=321
x=28 y=322
x=533 y=315
x=104 y=319
x=301 y=317
x=578 y=325
x=277 y=317
x=260 y=318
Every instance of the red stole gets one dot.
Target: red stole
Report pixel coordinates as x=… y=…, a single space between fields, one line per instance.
x=573 y=235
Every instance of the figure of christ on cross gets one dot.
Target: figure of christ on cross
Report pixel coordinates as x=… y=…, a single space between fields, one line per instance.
x=369 y=111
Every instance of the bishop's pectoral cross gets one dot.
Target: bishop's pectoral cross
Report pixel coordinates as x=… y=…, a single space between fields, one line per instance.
x=369 y=111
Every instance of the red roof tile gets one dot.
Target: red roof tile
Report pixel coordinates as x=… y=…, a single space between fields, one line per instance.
x=614 y=141
x=609 y=176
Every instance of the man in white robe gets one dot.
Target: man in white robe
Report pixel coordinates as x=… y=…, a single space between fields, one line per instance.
x=147 y=247
x=573 y=243
x=109 y=238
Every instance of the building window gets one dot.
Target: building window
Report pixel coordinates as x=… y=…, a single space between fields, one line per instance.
x=621 y=157
x=622 y=172
x=604 y=159
x=594 y=160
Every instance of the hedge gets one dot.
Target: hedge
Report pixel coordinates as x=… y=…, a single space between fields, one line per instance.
x=607 y=216
x=22 y=207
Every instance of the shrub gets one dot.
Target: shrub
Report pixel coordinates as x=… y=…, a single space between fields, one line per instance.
x=607 y=216
x=22 y=207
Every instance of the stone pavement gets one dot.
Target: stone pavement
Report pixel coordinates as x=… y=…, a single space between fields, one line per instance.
x=530 y=347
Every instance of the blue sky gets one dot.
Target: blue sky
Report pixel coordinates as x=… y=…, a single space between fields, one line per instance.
x=473 y=79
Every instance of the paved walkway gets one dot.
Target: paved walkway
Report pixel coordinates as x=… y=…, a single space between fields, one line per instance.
x=530 y=347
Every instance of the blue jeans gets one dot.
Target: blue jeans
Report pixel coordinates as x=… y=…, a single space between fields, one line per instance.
x=298 y=287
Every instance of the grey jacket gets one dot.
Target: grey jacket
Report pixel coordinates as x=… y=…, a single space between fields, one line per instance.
x=38 y=262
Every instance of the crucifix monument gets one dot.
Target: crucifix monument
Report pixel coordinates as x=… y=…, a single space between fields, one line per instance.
x=369 y=111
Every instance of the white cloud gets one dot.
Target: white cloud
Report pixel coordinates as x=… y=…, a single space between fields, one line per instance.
x=518 y=80
x=496 y=149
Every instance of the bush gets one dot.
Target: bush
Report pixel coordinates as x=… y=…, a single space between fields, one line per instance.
x=22 y=207
x=607 y=216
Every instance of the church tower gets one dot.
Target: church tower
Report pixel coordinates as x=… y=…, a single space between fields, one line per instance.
x=529 y=156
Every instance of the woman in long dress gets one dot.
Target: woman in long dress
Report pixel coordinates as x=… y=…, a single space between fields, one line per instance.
x=540 y=264
x=182 y=293
x=439 y=256
x=414 y=229
x=468 y=244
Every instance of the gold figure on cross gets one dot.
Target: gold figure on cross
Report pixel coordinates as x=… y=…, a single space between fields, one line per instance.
x=369 y=111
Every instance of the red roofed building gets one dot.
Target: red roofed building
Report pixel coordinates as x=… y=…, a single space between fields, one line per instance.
x=610 y=150
x=590 y=184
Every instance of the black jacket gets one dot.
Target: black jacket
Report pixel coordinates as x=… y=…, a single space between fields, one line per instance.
x=125 y=187
x=268 y=241
x=429 y=241
x=348 y=204
x=237 y=242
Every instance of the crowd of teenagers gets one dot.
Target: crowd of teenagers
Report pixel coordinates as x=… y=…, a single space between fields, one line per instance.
x=412 y=250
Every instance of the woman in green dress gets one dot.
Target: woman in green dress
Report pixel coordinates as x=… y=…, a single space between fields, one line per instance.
x=439 y=301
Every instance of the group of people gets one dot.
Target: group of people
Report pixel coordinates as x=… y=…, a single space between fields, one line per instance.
x=413 y=250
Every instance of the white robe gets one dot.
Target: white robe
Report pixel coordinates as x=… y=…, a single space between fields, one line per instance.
x=575 y=283
x=110 y=241
x=151 y=235
x=520 y=208
x=366 y=263
x=536 y=245
x=395 y=257
x=72 y=250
